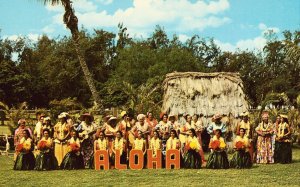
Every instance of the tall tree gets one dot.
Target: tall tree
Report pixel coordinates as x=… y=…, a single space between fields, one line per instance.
x=71 y=22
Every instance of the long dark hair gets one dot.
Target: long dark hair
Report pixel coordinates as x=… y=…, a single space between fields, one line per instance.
x=193 y=132
x=27 y=133
x=157 y=132
x=174 y=131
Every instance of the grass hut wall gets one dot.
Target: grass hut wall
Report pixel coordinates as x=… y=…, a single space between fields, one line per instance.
x=206 y=93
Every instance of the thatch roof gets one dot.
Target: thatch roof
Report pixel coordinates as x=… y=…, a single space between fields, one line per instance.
x=206 y=93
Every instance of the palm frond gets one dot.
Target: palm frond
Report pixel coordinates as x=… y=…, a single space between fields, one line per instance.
x=52 y=2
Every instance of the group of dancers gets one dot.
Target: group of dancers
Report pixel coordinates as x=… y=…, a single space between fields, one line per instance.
x=69 y=145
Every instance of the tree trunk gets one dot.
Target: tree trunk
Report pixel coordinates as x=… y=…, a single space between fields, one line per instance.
x=72 y=23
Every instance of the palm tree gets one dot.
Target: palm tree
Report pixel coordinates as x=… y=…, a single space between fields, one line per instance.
x=71 y=22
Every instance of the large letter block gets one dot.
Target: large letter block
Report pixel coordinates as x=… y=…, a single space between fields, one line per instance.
x=151 y=160
x=118 y=164
x=173 y=161
x=101 y=159
x=140 y=155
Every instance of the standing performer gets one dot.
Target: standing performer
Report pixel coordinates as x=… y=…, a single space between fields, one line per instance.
x=47 y=125
x=87 y=135
x=217 y=124
x=284 y=151
x=184 y=131
x=197 y=125
x=141 y=126
x=61 y=134
x=38 y=127
x=265 y=147
x=124 y=124
x=151 y=121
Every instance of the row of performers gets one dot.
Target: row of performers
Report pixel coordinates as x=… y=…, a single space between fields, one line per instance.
x=189 y=157
x=86 y=130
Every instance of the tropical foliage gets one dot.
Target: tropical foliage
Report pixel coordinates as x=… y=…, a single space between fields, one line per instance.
x=126 y=70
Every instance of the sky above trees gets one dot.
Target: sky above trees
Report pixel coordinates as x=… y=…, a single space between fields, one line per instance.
x=232 y=23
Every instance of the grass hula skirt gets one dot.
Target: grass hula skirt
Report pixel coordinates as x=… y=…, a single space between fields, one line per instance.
x=72 y=160
x=46 y=161
x=240 y=160
x=217 y=160
x=25 y=161
x=283 y=152
x=192 y=159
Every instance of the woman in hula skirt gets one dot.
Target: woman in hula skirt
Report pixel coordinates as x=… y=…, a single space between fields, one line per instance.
x=46 y=159
x=25 y=159
x=241 y=158
x=218 y=157
x=73 y=159
x=284 y=150
x=119 y=144
x=192 y=158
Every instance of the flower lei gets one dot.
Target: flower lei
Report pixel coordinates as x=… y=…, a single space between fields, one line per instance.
x=264 y=129
x=119 y=145
x=102 y=144
x=61 y=128
x=171 y=144
x=138 y=144
x=155 y=145
x=281 y=129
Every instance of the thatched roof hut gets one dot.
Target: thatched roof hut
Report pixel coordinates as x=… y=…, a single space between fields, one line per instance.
x=206 y=93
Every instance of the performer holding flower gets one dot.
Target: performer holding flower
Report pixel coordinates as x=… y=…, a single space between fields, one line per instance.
x=46 y=159
x=284 y=150
x=25 y=159
x=218 y=157
x=192 y=158
x=241 y=158
x=73 y=159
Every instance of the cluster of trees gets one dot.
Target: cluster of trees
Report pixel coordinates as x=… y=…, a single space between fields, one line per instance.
x=129 y=72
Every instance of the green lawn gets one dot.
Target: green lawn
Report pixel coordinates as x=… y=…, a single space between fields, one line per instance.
x=259 y=175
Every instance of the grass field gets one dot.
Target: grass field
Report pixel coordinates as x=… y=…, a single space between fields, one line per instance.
x=259 y=175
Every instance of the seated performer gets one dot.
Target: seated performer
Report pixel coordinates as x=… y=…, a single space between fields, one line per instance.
x=73 y=159
x=241 y=157
x=218 y=157
x=46 y=159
